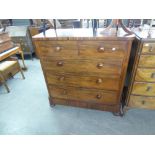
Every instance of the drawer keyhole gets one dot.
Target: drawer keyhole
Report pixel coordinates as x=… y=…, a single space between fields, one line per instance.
x=64 y=92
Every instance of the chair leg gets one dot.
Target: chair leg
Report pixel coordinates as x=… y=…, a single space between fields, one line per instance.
x=6 y=87
x=22 y=74
x=4 y=82
x=21 y=71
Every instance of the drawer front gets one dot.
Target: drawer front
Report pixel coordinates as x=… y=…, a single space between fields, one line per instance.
x=84 y=67
x=108 y=83
x=142 y=102
x=147 y=61
x=147 y=89
x=148 y=48
x=147 y=75
x=87 y=95
x=58 y=48
x=102 y=49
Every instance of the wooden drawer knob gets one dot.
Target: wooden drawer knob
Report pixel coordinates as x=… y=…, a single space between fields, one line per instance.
x=143 y=102
x=148 y=88
x=60 y=63
x=153 y=75
x=99 y=65
x=113 y=49
x=98 y=96
x=58 y=48
x=62 y=78
x=99 y=80
x=101 y=49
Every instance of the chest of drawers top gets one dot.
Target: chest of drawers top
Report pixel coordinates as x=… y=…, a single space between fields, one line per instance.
x=82 y=34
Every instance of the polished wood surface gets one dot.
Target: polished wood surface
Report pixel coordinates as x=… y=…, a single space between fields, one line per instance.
x=98 y=82
x=145 y=75
x=84 y=69
x=147 y=61
x=82 y=34
x=142 y=102
x=141 y=88
x=141 y=93
x=148 y=48
x=83 y=94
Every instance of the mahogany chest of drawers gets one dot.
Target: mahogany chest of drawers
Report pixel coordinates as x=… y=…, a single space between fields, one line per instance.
x=84 y=70
x=141 y=93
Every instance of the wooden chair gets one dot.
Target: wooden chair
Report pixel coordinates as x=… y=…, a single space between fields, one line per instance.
x=8 y=69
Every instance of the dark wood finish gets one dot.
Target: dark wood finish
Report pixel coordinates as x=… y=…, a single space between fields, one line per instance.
x=99 y=82
x=84 y=69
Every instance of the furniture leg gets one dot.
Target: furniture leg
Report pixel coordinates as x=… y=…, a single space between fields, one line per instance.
x=6 y=87
x=22 y=56
x=4 y=83
x=51 y=103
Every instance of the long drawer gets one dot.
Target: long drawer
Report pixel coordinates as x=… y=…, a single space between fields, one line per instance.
x=83 y=67
x=147 y=61
x=81 y=94
x=147 y=75
x=142 y=102
x=98 y=82
x=148 y=48
x=102 y=49
x=146 y=89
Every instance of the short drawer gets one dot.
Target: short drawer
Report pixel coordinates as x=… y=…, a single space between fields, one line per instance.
x=107 y=83
x=58 y=48
x=142 y=102
x=102 y=49
x=86 y=95
x=147 y=61
x=147 y=75
x=141 y=88
x=82 y=67
x=148 y=48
